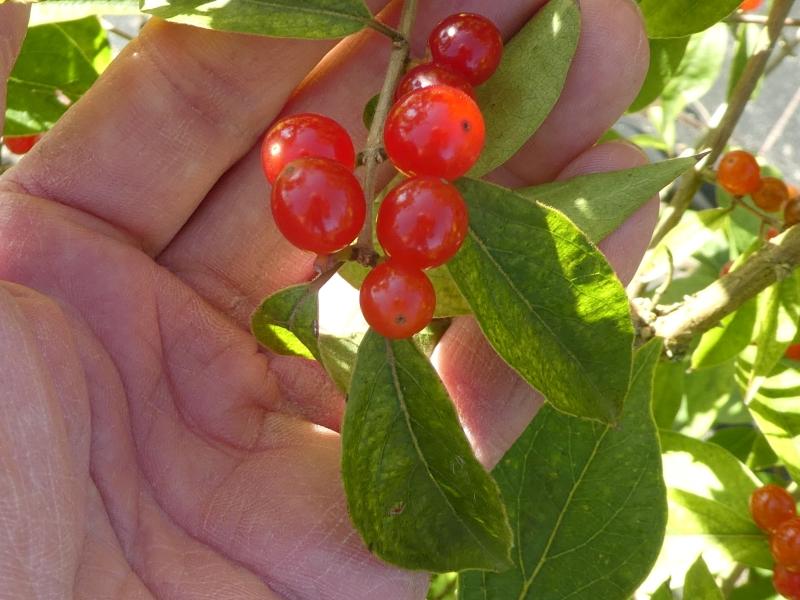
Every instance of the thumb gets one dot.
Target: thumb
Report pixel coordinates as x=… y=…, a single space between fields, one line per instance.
x=13 y=24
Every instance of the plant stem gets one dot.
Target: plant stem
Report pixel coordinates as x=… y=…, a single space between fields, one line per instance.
x=372 y=153
x=787 y=49
x=760 y=20
x=389 y=32
x=765 y=218
x=702 y=311
x=718 y=137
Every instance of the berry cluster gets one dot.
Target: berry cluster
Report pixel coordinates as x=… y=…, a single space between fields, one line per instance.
x=739 y=174
x=773 y=509
x=433 y=134
x=21 y=144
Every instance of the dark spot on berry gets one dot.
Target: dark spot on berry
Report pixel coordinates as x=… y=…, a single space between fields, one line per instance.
x=400 y=319
x=465 y=125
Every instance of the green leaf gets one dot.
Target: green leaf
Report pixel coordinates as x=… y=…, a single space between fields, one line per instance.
x=747 y=444
x=56 y=11
x=57 y=64
x=600 y=202
x=725 y=341
x=747 y=36
x=287 y=322
x=778 y=317
x=547 y=301
x=700 y=584
x=587 y=502
x=415 y=491
x=665 y=57
x=708 y=493
x=528 y=82
x=310 y=19
x=663 y=592
x=668 y=392
x=679 y=18
x=706 y=391
x=699 y=69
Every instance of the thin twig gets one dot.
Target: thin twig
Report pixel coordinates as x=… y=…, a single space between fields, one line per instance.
x=760 y=20
x=372 y=152
x=718 y=137
x=659 y=293
x=764 y=217
x=787 y=49
x=389 y=32
x=111 y=28
x=702 y=311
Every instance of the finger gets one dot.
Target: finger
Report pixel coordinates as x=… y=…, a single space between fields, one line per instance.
x=13 y=19
x=231 y=252
x=494 y=403
x=41 y=486
x=610 y=65
x=172 y=113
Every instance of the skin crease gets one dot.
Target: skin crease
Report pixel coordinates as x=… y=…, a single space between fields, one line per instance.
x=148 y=448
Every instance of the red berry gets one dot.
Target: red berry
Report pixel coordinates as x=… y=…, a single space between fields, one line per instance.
x=429 y=74
x=771 y=195
x=397 y=301
x=21 y=144
x=749 y=5
x=786 y=583
x=468 y=44
x=436 y=131
x=422 y=222
x=785 y=544
x=793 y=191
x=771 y=233
x=770 y=506
x=318 y=205
x=793 y=352
x=304 y=135
x=726 y=268
x=739 y=173
x=791 y=212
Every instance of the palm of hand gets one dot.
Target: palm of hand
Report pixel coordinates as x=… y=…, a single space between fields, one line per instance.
x=150 y=449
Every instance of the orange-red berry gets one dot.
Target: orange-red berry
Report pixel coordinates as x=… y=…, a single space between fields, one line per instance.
x=397 y=301
x=770 y=506
x=469 y=44
x=791 y=212
x=793 y=352
x=21 y=144
x=422 y=222
x=304 y=135
x=771 y=195
x=738 y=173
x=436 y=131
x=318 y=205
x=428 y=75
x=785 y=544
x=749 y=5
x=786 y=582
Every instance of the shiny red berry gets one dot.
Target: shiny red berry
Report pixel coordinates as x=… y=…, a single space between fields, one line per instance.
x=436 y=131
x=318 y=205
x=771 y=233
x=793 y=352
x=771 y=195
x=304 y=135
x=770 y=506
x=468 y=44
x=422 y=222
x=21 y=144
x=429 y=74
x=739 y=173
x=786 y=582
x=791 y=212
x=785 y=544
x=749 y=5
x=397 y=301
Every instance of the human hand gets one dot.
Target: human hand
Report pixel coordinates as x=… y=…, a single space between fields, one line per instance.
x=149 y=448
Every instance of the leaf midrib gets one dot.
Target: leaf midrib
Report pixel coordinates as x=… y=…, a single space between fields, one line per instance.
x=301 y=9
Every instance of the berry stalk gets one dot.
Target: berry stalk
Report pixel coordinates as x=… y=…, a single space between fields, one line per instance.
x=372 y=153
